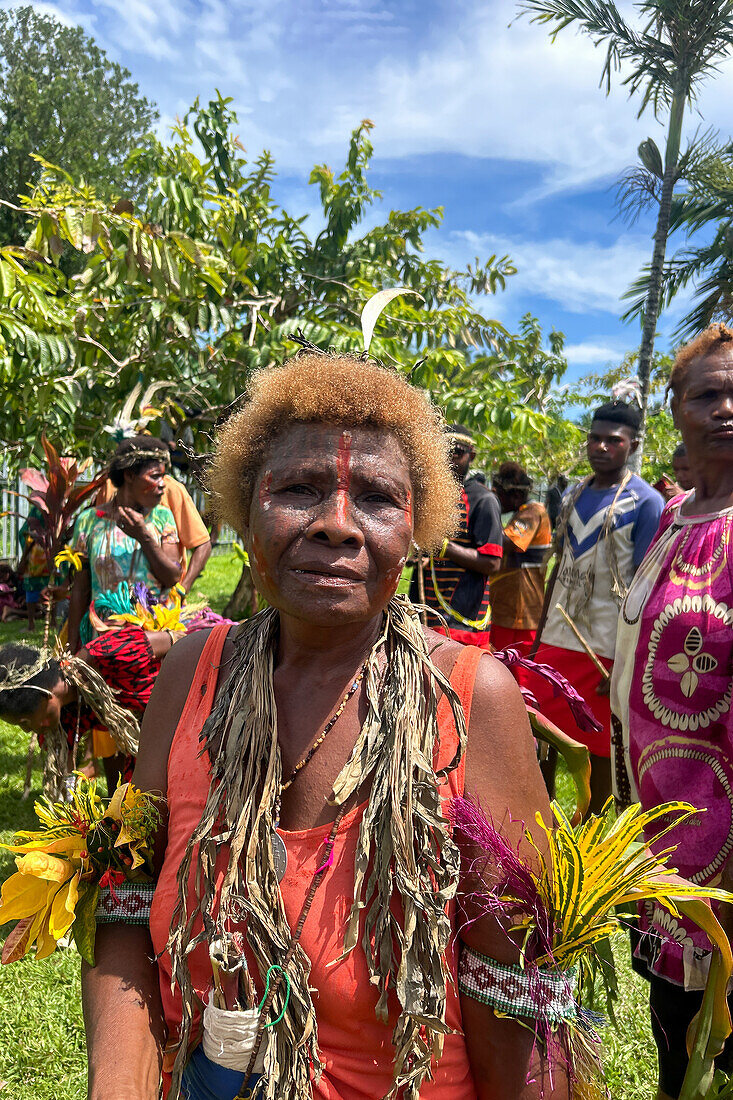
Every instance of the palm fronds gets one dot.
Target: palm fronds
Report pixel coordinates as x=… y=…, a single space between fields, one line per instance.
x=679 y=43
x=561 y=908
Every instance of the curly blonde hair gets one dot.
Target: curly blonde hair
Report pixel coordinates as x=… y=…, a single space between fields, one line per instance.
x=313 y=387
x=711 y=339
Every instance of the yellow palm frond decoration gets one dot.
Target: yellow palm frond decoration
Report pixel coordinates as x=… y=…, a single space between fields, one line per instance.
x=586 y=872
x=566 y=900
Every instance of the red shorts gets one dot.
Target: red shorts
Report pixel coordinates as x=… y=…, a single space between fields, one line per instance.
x=478 y=638
x=504 y=636
x=585 y=678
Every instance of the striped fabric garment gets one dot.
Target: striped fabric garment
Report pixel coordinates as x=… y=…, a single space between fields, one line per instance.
x=466 y=591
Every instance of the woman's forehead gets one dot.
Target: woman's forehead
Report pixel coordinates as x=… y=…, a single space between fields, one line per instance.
x=716 y=362
x=330 y=442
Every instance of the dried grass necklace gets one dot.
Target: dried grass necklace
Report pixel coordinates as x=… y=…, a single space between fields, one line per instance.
x=280 y=857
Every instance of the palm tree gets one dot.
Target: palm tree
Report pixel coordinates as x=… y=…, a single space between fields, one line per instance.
x=709 y=264
x=676 y=45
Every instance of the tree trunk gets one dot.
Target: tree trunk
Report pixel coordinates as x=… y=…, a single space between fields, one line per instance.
x=651 y=306
x=243 y=601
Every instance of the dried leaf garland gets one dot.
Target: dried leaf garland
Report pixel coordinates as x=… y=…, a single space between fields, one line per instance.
x=404 y=850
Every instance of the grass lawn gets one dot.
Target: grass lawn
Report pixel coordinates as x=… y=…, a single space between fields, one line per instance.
x=42 y=1053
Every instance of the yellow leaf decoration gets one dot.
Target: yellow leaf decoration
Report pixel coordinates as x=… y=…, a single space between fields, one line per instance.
x=60 y=863
x=604 y=863
x=160 y=616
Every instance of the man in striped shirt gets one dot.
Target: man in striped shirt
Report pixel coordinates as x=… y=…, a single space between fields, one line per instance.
x=456 y=581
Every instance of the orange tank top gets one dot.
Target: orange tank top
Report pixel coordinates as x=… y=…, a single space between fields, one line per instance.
x=355 y=1047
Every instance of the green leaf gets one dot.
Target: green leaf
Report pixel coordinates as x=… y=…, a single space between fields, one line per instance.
x=651 y=158
x=7 y=279
x=72 y=222
x=85 y=924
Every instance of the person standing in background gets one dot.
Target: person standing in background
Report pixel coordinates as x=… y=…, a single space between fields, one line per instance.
x=193 y=535
x=683 y=476
x=682 y=472
x=553 y=498
x=456 y=581
x=517 y=591
x=133 y=538
x=33 y=568
x=606 y=525
x=671 y=693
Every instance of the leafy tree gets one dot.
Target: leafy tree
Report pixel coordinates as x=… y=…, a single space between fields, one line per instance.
x=207 y=278
x=62 y=99
x=512 y=401
x=678 y=44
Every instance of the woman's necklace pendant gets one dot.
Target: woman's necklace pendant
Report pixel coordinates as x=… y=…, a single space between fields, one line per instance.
x=279 y=855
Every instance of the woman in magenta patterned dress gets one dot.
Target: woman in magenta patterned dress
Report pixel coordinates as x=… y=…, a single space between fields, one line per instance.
x=672 y=685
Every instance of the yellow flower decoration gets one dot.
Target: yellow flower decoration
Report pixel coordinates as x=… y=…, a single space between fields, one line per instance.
x=69 y=555
x=143 y=618
x=45 y=889
x=161 y=616
x=138 y=819
x=60 y=865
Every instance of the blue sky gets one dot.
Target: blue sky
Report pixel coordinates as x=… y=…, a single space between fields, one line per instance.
x=474 y=110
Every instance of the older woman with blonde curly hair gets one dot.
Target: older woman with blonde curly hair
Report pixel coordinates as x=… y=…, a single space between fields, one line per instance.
x=308 y=872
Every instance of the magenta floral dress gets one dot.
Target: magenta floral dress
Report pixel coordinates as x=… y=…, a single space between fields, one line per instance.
x=673 y=730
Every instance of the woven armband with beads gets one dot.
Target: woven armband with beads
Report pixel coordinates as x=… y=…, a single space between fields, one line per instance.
x=125 y=903
x=529 y=992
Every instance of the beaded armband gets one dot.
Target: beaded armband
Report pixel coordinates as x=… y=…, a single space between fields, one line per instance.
x=126 y=903
x=516 y=991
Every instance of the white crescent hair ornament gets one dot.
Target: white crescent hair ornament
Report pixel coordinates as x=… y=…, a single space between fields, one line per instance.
x=126 y=423
x=375 y=305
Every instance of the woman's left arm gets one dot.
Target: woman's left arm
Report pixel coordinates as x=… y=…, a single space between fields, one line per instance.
x=503 y=776
x=163 y=558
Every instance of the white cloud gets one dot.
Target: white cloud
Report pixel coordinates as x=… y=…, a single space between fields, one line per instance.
x=450 y=77
x=579 y=276
x=590 y=354
x=148 y=27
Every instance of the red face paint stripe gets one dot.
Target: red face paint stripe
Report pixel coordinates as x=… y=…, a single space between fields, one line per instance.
x=343 y=473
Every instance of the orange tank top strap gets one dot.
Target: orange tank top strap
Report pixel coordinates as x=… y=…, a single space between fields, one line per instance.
x=462 y=679
x=200 y=696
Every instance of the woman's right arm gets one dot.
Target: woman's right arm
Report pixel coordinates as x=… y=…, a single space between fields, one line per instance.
x=123 y=1015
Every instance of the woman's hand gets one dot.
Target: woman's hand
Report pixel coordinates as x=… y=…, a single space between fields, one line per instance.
x=131 y=522
x=163 y=560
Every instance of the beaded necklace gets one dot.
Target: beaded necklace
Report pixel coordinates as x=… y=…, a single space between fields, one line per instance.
x=326 y=730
